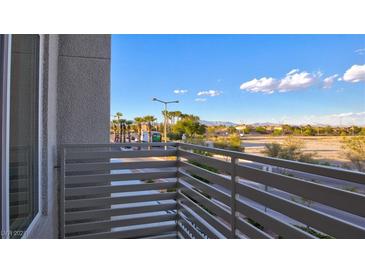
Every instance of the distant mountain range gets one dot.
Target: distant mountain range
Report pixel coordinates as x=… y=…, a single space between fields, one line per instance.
x=218 y=123
x=264 y=124
x=228 y=124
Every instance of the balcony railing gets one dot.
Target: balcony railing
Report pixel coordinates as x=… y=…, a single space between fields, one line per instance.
x=176 y=190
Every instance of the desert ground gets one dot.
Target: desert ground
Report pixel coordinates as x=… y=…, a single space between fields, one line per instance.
x=326 y=148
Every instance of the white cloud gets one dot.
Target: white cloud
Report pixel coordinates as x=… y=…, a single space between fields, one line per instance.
x=293 y=80
x=328 y=82
x=265 y=85
x=298 y=80
x=360 y=51
x=200 y=99
x=292 y=71
x=211 y=93
x=180 y=91
x=355 y=74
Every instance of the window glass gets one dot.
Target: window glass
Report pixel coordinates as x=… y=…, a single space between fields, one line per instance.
x=23 y=135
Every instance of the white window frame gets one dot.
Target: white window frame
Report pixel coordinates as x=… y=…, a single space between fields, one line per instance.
x=5 y=91
x=5 y=216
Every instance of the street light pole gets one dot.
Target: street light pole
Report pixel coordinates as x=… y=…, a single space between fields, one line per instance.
x=165 y=115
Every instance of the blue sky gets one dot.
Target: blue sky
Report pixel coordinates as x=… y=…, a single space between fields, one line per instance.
x=242 y=78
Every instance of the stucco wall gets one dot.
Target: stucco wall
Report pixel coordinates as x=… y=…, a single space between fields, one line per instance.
x=83 y=89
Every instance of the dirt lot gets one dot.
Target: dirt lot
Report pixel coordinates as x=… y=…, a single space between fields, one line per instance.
x=327 y=148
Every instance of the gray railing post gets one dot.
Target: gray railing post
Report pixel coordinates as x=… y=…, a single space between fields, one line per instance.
x=177 y=184
x=62 y=194
x=234 y=162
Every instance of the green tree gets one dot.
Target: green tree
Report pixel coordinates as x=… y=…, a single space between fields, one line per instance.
x=287 y=129
x=309 y=131
x=247 y=130
x=328 y=130
x=297 y=131
x=189 y=125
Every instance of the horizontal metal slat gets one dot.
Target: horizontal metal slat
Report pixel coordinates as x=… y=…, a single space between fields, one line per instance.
x=130 y=221
x=209 y=218
x=172 y=235
x=218 y=151
x=190 y=228
x=250 y=230
x=208 y=175
x=119 y=177
x=209 y=161
x=105 y=213
x=119 y=154
x=211 y=205
x=341 y=199
x=322 y=221
x=130 y=233
x=342 y=174
x=211 y=190
x=337 y=173
x=182 y=233
x=117 y=145
x=81 y=203
x=281 y=228
x=203 y=225
x=84 y=191
x=118 y=166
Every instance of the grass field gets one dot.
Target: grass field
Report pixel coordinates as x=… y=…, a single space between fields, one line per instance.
x=327 y=148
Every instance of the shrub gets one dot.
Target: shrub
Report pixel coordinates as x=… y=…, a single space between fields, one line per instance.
x=291 y=149
x=354 y=149
x=273 y=149
x=174 y=136
x=260 y=129
x=277 y=132
x=233 y=142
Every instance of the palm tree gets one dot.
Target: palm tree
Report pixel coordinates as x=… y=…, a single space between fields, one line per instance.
x=168 y=115
x=139 y=121
x=175 y=115
x=118 y=115
x=122 y=129
x=149 y=119
x=129 y=126
x=114 y=126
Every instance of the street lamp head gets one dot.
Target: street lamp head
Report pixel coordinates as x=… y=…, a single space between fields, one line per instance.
x=154 y=99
